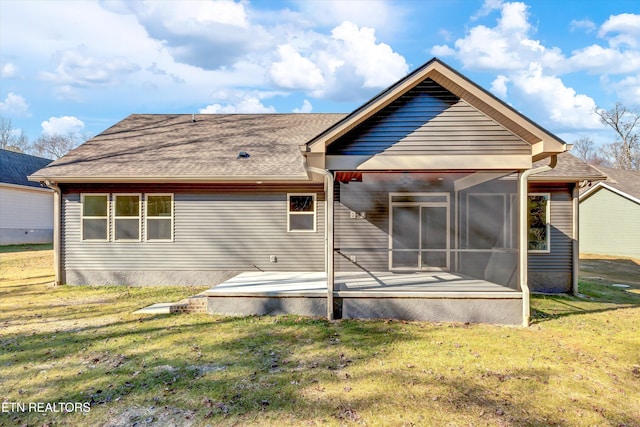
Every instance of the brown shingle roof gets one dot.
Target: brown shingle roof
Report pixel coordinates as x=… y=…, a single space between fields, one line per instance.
x=171 y=146
x=627 y=181
x=568 y=169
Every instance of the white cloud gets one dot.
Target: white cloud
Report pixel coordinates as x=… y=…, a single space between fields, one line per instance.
x=209 y=35
x=62 y=125
x=504 y=47
x=15 y=105
x=499 y=86
x=8 y=70
x=442 y=50
x=628 y=90
x=377 y=63
x=348 y=65
x=533 y=71
x=627 y=25
x=77 y=68
x=585 y=24
x=293 y=71
x=487 y=7
x=564 y=106
x=598 y=59
x=239 y=102
x=384 y=16
x=305 y=108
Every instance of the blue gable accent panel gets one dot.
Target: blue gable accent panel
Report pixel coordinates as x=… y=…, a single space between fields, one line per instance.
x=428 y=119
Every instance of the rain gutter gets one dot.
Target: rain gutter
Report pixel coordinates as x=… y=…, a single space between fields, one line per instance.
x=328 y=235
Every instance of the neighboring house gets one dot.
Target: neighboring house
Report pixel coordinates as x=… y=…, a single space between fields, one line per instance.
x=427 y=219
x=610 y=215
x=26 y=208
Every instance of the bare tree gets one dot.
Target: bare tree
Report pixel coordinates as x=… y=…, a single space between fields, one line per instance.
x=54 y=146
x=624 y=153
x=585 y=149
x=10 y=139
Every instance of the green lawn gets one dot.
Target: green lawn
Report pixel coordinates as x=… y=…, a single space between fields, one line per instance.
x=577 y=365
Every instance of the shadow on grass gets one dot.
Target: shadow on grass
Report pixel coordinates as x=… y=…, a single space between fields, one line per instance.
x=255 y=368
x=225 y=370
x=260 y=368
x=611 y=270
x=594 y=298
x=25 y=248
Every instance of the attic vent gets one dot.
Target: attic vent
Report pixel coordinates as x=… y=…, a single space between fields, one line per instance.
x=243 y=155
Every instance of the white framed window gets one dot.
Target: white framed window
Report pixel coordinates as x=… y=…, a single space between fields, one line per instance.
x=126 y=217
x=538 y=216
x=95 y=217
x=301 y=212
x=159 y=217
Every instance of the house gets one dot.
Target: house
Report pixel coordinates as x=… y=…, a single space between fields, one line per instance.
x=610 y=215
x=430 y=186
x=26 y=208
x=553 y=266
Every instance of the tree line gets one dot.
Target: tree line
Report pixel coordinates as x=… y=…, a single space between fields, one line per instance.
x=51 y=146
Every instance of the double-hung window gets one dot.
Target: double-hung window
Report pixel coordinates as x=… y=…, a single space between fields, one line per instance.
x=538 y=219
x=95 y=217
x=301 y=212
x=159 y=217
x=127 y=217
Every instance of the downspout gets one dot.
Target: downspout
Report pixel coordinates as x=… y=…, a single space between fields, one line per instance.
x=57 y=196
x=328 y=235
x=523 y=190
x=575 y=267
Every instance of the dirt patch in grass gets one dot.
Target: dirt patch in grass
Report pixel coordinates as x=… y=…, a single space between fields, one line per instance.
x=573 y=367
x=610 y=270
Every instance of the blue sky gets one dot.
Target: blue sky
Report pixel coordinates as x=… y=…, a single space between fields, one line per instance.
x=81 y=66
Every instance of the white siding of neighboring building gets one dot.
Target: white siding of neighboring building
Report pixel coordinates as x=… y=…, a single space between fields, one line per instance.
x=26 y=215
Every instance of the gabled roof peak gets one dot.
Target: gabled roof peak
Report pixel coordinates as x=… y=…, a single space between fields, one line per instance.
x=543 y=142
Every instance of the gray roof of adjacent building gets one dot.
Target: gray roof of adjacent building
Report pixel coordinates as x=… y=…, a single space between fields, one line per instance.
x=15 y=167
x=625 y=181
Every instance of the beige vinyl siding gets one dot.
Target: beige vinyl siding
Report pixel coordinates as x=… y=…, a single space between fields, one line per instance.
x=211 y=232
x=609 y=225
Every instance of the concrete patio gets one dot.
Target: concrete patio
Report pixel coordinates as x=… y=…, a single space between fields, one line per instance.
x=432 y=296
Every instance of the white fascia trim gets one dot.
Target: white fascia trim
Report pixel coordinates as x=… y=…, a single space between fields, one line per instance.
x=25 y=188
x=610 y=188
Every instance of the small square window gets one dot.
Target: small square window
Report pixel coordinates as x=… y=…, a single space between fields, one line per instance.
x=301 y=212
